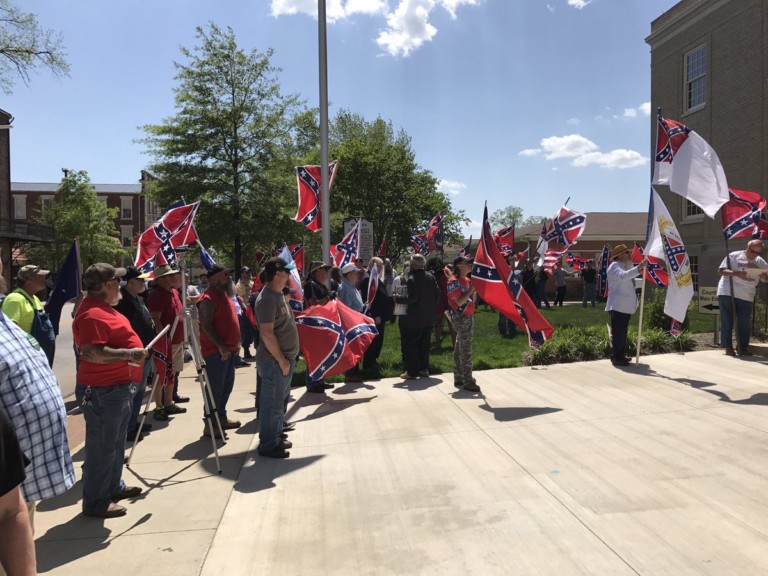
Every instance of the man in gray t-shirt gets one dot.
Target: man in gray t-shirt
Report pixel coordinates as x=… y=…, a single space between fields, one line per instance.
x=275 y=357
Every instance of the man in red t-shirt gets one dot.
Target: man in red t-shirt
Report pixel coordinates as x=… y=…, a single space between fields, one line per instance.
x=219 y=341
x=111 y=364
x=461 y=299
x=165 y=306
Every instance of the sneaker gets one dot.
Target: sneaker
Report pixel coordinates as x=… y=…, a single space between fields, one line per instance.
x=620 y=362
x=328 y=386
x=111 y=511
x=472 y=387
x=406 y=376
x=181 y=399
x=276 y=452
x=424 y=373
x=288 y=425
x=173 y=409
x=160 y=414
x=146 y=427
x=127 y=492
x=285 y=444
x=228 y=424
x=730 y=352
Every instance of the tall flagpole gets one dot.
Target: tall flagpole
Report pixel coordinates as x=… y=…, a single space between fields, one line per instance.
x=325 y=199
x=647 y=236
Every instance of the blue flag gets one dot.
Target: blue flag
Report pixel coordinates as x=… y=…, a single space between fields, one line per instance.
x=66 y=288
x=205 y=258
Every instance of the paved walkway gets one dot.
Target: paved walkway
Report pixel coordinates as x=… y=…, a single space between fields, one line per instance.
x=571 y=469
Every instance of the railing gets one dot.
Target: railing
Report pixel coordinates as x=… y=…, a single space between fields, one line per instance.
x=19 y=230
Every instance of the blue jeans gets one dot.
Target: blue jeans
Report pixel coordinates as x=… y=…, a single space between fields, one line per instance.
x=275 y=388
x=221 y=378
x=138 y=398
x=506 y=326
x=743 y=328
x=106 y=421
x=590 y=294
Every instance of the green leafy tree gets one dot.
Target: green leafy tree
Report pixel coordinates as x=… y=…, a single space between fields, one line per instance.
x=77 y=212
x=25 y=46
x=231 y=144
x=379 y=178
x=513 y=216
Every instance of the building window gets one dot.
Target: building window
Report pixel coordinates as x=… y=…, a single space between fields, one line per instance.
x=692 y=209
x=696 y=78
x=126 y=235
x=20 y=206
x=126 y=208
x=695 y=271
x=46 y=203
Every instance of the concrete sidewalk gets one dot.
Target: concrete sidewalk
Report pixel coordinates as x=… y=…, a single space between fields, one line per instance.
x=568 y=469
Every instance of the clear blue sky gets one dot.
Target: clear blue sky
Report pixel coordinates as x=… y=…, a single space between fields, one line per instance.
x=523 y=102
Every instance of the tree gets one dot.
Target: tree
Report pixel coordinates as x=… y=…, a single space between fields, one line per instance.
x=379 y=178
x=77 y=212
x=24 y=46
x=231 y=144
x=513 y=216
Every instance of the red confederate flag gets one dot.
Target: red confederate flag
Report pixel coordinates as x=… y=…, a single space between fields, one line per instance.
x=333 y=338
x=157 y=245
x=500 y=287
x=743 y=215
x=309 y=182
x=297 y=251
x=162 y=353
x=655 y=271
x=505 y=240
x=346 y=251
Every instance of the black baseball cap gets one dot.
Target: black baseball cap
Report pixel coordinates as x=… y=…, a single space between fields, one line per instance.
x=132 y=272
x=277 y=264
x=216 y=268
x=461 y=260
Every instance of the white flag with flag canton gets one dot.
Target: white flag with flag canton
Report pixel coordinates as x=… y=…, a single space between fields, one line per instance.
x=665 y=242
x=689 y=166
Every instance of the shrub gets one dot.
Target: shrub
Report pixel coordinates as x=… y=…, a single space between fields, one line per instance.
x=653 y=312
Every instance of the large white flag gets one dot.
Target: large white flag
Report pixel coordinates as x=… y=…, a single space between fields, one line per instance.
x=665 y=242
x=689 y=166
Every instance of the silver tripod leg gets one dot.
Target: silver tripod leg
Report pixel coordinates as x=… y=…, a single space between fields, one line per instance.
x=143 y=414
x=209 y=404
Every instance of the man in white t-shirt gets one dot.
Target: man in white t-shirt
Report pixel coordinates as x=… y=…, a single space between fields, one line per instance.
x=733 y=273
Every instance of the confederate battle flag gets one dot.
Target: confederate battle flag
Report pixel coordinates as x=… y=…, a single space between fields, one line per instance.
x=157 y=245
x=309 y=182
x=500 y=287
x=743 y=215
x=333 y=338
x=346 y=251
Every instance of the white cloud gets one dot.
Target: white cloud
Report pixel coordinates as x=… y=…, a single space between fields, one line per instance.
x=570 y=146
x=630 y=113
x=551 y=8
x=451 y=5
x=408 y=27
x=579 y=4
x=528 y=152
x=645 y=109
x=573 y=121
x=334 y=10
x=451 y=187
x=619 y=159
x=583 y=152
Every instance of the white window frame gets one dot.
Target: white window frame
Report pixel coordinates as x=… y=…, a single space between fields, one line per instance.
x=696 y=78
x=19 y=206
x=126 y=204
x=694 y=261
x=126 y=233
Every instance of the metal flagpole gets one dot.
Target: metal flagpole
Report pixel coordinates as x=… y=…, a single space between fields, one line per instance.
x=325 y=199
x=647 y=235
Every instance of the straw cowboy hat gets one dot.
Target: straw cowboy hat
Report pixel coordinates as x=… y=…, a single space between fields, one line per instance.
x=618 y=250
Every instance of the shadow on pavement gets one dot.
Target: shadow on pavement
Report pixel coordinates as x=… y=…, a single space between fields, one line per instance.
x=333 y=406
x=418 y=385
x=758 y=399
x=262 y=475
x=69 y=498
x=511 y=414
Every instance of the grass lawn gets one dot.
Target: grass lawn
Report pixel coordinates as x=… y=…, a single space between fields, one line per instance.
x=489 y=349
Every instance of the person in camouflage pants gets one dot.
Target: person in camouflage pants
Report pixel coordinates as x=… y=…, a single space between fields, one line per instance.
x=461 y=299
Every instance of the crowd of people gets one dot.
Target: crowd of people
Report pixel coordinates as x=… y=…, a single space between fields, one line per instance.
x=116 y=318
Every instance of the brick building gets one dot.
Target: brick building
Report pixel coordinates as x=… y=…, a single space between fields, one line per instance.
x=709 y=70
